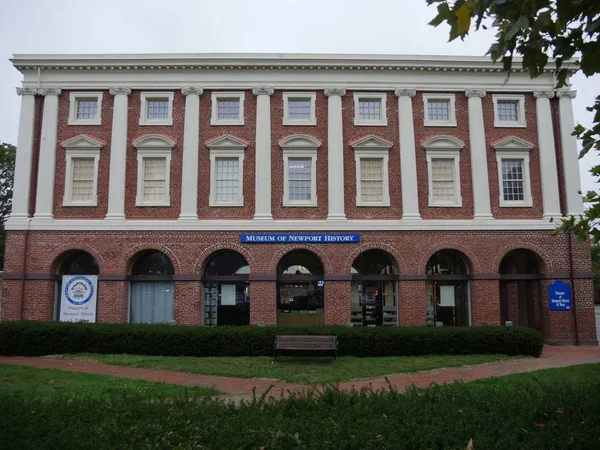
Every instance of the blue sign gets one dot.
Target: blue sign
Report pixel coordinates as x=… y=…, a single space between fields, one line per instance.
x=300 y=238
x=79 y=290
x=559 y=294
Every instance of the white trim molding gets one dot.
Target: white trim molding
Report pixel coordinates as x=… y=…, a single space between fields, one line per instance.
x=373 y=147
x=448 y=148
x=382 y=98
x=521 y=120
x=226 y=146
x=81 y=146
x=215 y=97
x=153 y=146
x=299 y=146
x=514 y=148
x=450 y=98
x=310 y=96
x=74 y=98
x=145 y=97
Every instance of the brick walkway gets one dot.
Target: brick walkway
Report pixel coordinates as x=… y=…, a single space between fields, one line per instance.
x=241 y=388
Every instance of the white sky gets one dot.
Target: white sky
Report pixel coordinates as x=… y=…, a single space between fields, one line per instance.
x=213 y=26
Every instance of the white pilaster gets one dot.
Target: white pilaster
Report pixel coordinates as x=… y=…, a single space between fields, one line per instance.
x=569 y=153
x=408 y=158
x=20 y=199
x=118 y=154
x=47 y=161
x=191 y=140
x=335 y=155
x=262 y=194
x=479 y=167
x=550 y=196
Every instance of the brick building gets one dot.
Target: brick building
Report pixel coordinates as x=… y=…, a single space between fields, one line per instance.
x=295 y=190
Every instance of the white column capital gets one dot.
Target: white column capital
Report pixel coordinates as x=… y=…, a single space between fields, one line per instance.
x=192 y=90
x=475 y=93
x=335 y=91
x=26 y=91
x=543 y=94
x=49 y=91
x=263 y=91
x=120 y=91
x=405 y=92
x=566 y=94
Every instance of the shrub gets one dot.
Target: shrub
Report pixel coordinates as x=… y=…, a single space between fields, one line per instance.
x=44 y=338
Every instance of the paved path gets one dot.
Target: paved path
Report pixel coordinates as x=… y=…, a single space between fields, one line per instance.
x=242 y=388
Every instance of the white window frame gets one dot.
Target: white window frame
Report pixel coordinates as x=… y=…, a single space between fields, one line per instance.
x=153 y=146
x=226 y=147
x=312 y=96
x=372 y=147
x=451 y=122
x=80 y=147
x=144 y=97
x=444 y=147
x=74 y=97
x=524 y=157
x=300 y=146
x=382 y=97
x=521 y=120
x=215 y=97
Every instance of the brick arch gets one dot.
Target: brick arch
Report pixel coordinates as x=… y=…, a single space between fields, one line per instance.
x=202 y=258
x=540 y=253
x=327 y=268
x=127 y=258
x=61 y=253
x=395 y=255
x=472 y=260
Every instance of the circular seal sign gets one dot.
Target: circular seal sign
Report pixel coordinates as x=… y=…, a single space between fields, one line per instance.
x=79 y=290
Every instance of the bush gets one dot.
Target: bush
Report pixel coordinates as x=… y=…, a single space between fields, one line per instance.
x=45 y=338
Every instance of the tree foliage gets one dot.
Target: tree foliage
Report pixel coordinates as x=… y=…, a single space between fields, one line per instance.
x=7 y=176
x=537 y=30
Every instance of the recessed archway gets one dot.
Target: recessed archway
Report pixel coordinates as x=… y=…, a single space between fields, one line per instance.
x=68 y=265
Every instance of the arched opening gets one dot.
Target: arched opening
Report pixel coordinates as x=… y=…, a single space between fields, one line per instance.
x=300 y=290
x=448 y=289
x=151 y=298
x=374 y=289
x=76 y=287
x=226 y=289
x=520 y=289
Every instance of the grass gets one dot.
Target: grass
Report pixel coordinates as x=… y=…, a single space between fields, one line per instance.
x=294 y=369
x=36 y=383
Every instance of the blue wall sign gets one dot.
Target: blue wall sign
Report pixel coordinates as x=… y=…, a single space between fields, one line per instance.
x=300 y=238
x=559 y=295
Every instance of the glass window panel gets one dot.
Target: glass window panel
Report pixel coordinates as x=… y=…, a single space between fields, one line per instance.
x=157 y=108
x=299 y=178
x=87 y=108
x=228 y=108
x=299 y=108
x=82 y=187
x=155 y=181
x=227 y=179
x=371 y=179
x=508 y=110
x=513 y=183
x=438 y=110
x=442 y=179
x=369 y=109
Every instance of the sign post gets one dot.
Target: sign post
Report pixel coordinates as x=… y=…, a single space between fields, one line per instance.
x=559 y=296
x=78 y=298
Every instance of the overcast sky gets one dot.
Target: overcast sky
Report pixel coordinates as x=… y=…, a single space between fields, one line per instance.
x=212 y=26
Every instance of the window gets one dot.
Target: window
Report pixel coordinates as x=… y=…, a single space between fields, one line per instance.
x=371 y=155
x=81 y=171
x=156 y=108
x=226 y=171
x=509 y=110
x=439 y=110
x=512 y=156
x=300 y=170
x=227 y=108
x=299 y=108
x=370 y=109
x=443 y=171
x=154 y=170
x=85 y=108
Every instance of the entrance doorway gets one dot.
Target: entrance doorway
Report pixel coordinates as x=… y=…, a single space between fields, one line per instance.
x=151 y=298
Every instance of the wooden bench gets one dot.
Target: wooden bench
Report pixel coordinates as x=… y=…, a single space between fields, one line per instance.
x=305 y=343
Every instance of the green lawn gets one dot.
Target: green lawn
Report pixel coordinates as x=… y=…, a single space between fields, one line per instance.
x=35 y=383
x=295 y=369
